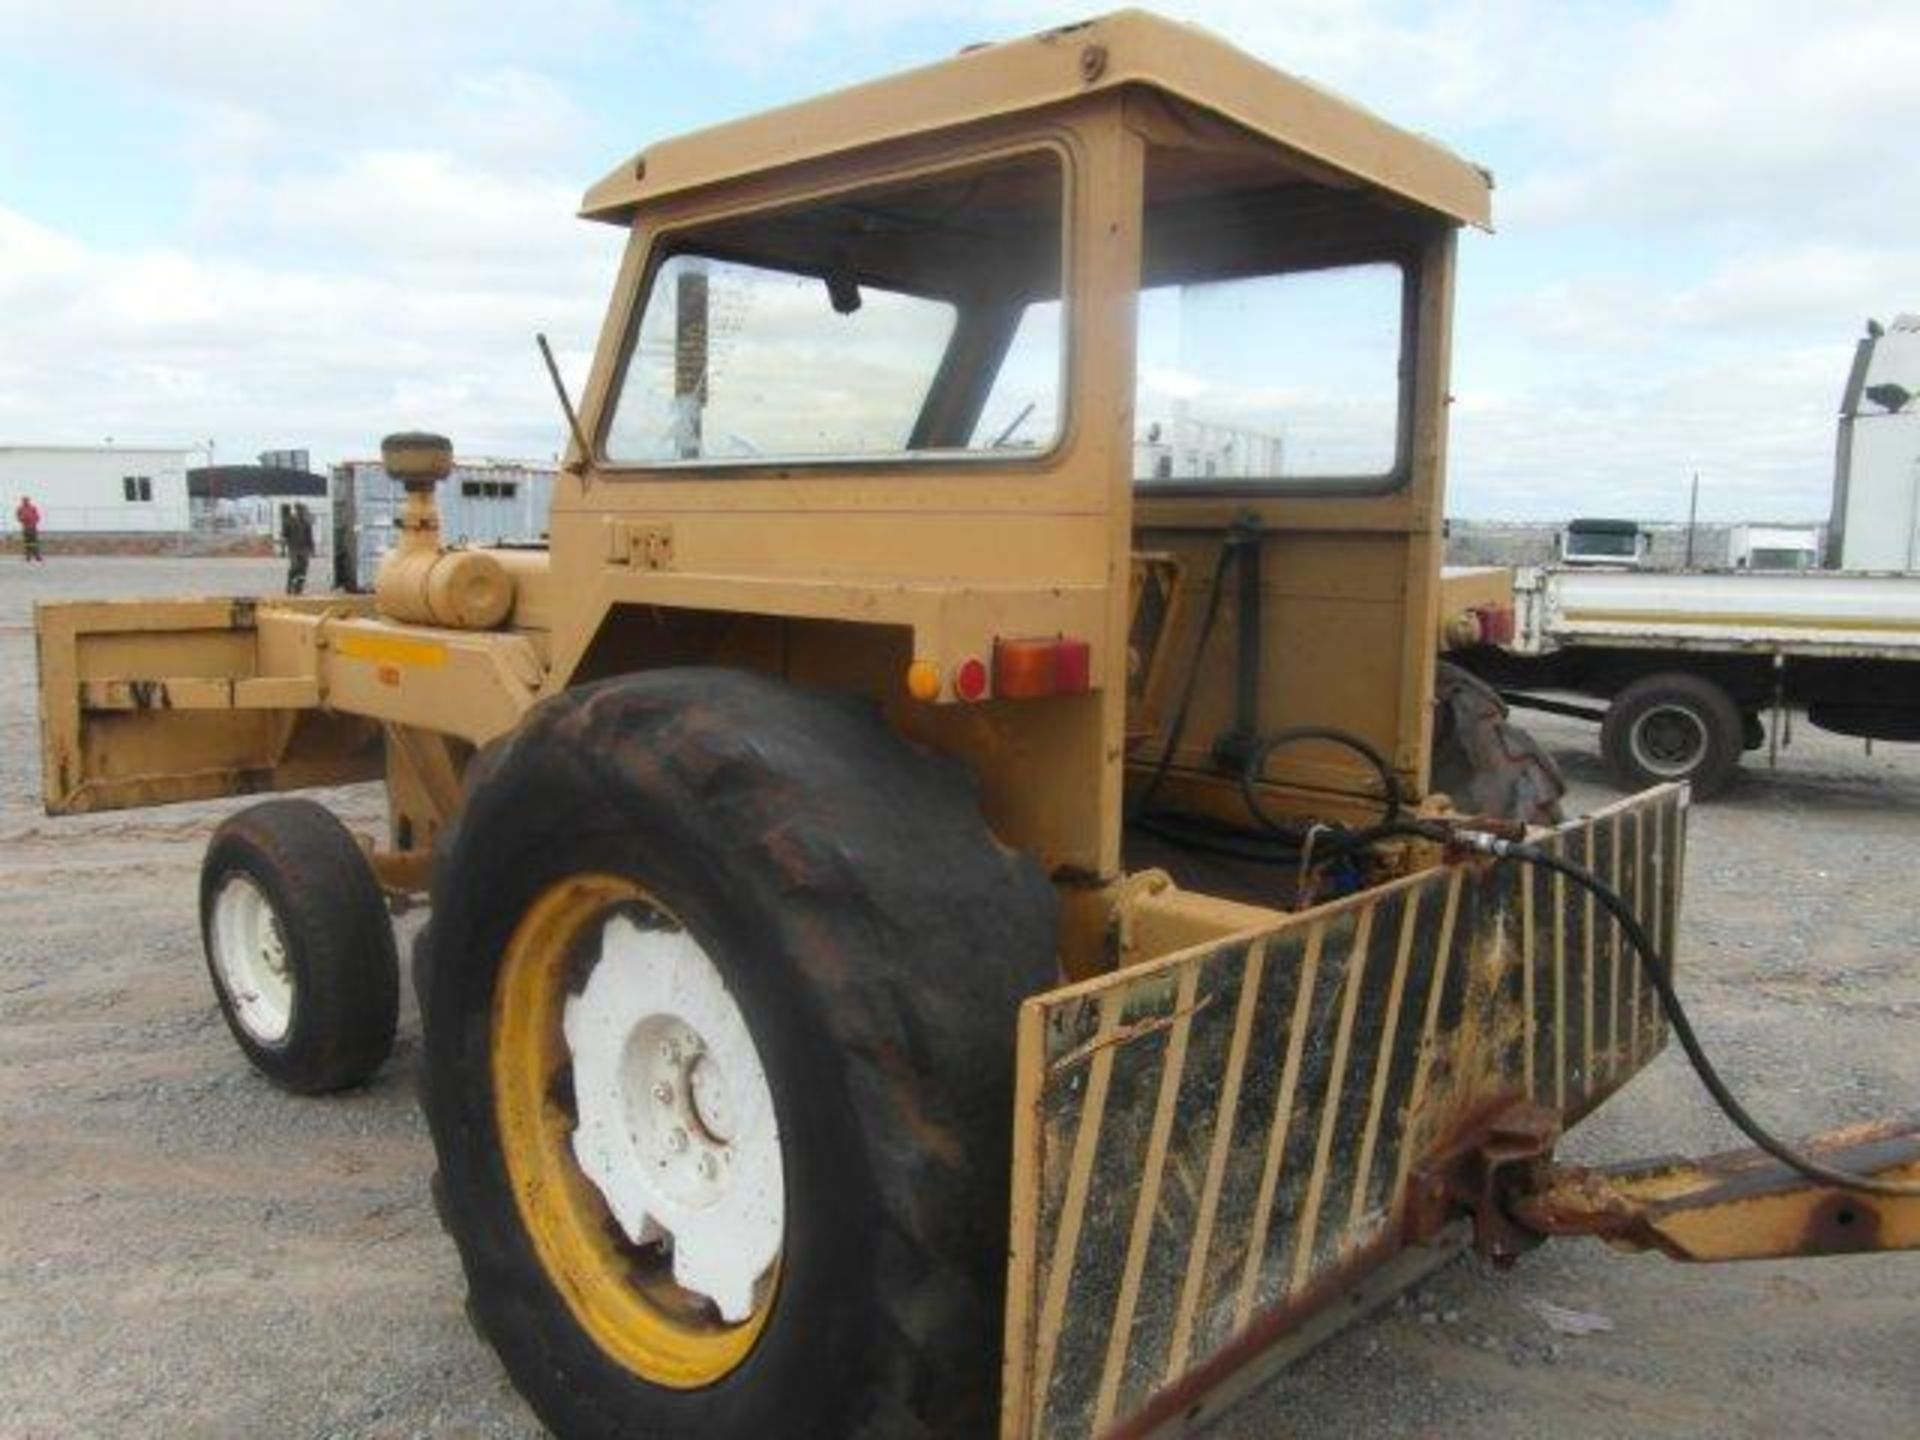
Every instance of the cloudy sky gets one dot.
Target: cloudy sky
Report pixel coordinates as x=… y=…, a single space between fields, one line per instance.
x=306 y=224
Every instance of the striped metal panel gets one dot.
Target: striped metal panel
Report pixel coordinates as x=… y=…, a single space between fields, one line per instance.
x=1217 y=1141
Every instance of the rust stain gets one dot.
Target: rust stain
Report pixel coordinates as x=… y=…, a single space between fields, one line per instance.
x=1842 y=1224
x=1126 y=1034
x=1736 y=1205
x=1269 y=1327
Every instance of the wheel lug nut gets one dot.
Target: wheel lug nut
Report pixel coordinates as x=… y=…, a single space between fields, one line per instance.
x=677 y=1140
x=669 y=1052
x=663 y=1092
x=707 y=1168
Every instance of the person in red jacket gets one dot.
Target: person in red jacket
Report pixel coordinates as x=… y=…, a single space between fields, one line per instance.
x=28 y=514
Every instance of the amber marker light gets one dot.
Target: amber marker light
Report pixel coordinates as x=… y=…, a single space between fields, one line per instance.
x=923 y=680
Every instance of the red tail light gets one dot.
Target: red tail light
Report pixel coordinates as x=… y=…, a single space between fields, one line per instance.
x=970 y=679
x=1028 y=669
x=1496 y=624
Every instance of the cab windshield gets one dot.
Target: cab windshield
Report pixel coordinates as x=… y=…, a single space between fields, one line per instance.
x=910 y=321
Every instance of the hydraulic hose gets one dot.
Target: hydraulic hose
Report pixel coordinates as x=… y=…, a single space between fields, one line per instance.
x=1178 y=728
x=1335 y=842
x=1654 y=966
x=1392 y=797
x=1182 y=830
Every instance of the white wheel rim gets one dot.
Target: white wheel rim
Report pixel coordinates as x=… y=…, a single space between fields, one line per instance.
x=1669 y=741
x=676 y=1124
x=250 y=959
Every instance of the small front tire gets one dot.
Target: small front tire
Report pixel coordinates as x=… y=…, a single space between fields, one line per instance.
x=299 y=946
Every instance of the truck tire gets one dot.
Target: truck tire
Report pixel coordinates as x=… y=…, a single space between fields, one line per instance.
x=722 y=982
x=1673 y=726
x=1484 y=762
x=299 y=946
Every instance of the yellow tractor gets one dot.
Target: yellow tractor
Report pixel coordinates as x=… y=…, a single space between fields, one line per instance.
x=963 y=898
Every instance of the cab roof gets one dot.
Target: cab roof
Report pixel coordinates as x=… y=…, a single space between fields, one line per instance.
x=1128 y=48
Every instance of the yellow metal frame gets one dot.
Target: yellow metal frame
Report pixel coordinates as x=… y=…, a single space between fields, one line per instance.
x=1240 y=1131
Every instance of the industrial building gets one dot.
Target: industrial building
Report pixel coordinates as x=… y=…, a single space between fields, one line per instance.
x=98 y=489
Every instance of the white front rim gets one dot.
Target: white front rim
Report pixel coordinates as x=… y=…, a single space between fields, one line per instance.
x=250 y=959
x=676 y=1125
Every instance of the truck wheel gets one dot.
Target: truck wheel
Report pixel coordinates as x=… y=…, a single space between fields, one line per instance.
x=1673 y=727
x=1484 y=762
x=299 y=946
x=718 y=1064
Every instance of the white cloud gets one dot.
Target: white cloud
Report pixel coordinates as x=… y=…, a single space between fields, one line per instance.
x=380 y=217
x=165 y=344
x=1699 y=202
x=414 y=207
x=1739 y=112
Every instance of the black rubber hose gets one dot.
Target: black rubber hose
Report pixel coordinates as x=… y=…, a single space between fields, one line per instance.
x=1187 y=688
x=1392 y=798
x=1173 y=827
x=1655 y=969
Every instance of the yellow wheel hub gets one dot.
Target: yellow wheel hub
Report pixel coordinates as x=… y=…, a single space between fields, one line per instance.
x=623 y=1295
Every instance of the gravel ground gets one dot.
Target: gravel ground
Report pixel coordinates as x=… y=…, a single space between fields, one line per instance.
x=186 y=1251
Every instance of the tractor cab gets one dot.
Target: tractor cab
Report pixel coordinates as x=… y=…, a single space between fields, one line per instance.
x=973 y=387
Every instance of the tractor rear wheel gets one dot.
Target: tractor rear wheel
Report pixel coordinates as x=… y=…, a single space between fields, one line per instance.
x=720 y=998
x=299 y=946
x=1484 y=762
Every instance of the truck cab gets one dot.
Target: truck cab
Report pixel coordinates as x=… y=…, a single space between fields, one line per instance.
x=1609 y=544
x=1876 y=485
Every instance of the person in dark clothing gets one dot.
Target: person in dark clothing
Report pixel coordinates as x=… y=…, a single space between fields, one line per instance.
x=296 y=529
x=28 y=514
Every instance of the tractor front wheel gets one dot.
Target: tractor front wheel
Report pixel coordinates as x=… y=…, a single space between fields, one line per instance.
x=299 y=946
x=720 y=1000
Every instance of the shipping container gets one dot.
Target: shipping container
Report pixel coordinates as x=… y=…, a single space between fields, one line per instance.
x=483 y=502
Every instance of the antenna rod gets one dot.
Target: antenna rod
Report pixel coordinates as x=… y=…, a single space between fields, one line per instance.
x=566 y=405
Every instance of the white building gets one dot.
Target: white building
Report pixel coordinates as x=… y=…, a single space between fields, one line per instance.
x=97 y=489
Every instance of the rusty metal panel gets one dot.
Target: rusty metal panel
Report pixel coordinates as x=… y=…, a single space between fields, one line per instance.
x=1212 y=1146
x=1741 y=1204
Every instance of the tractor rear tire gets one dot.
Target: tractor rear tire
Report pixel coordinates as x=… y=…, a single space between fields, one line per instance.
x=1484 y=762
x=299 y=946
x=839 y=892
x=1673 y=726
